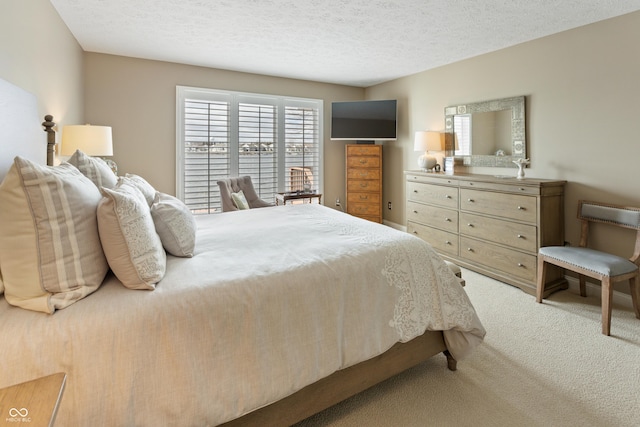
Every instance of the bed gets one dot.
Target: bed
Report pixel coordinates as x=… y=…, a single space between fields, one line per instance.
x=279 y=313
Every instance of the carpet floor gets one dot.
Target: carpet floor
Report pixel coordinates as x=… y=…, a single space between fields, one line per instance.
x=540 y=365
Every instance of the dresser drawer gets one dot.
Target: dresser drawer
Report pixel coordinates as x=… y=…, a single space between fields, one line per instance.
x=435 y=216
x=363 y=150
x=363 y=162
x=440 y=195
x=361 y=185
x=513 y=206
x=363 y=173
x=433 y=179
x=514 y=234
x=512 y=262
x=364 y=198
x=441 y=241
x=365 y=209
x=510 y=188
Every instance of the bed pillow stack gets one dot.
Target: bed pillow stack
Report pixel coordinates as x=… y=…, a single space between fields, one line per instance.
x=50 y=250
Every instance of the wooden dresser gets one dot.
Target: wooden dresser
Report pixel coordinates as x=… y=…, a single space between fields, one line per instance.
x=489 y=224
x=364 y=181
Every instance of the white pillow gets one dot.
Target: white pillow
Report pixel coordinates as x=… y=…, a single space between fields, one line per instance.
x=175 y=225
x=147 y=189
x=129 y=239
x=50 y=252
x=95 y=169
x=240 y=200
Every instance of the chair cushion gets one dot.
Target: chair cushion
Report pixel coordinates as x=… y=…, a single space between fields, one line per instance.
x=590 y=259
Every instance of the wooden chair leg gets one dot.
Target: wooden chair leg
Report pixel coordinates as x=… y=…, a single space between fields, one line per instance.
x=635 y=296
x=542 y=271
x=583 y=285
x=607 y=296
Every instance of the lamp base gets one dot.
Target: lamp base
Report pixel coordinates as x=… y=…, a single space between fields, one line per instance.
x=426 y=162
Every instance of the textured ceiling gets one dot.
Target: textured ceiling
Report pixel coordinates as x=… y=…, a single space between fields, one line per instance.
x=353 y=42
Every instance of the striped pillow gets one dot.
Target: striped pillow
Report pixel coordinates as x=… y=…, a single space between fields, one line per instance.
x=95 y=169
x=50 y=252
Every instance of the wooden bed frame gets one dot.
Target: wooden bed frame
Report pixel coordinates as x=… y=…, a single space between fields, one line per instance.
x=339 y=385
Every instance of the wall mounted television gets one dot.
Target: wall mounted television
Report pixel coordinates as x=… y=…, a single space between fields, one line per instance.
x=364 y=121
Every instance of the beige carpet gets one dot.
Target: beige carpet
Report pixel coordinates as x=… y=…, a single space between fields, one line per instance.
x=540 y=365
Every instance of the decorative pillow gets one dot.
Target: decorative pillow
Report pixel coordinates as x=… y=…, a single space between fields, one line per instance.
x=50 y=252
x=145 y=188
x=129 y=239
x=175 y=225
x=95 y=169
x=240 y=200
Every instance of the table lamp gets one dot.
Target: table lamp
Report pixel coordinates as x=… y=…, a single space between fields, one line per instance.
x=91 y=140
x=426 y=141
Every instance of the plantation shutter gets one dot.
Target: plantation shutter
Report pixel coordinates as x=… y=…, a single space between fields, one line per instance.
x=257 y=138
x=302 y=160
x=462 y=134
x=206 y=153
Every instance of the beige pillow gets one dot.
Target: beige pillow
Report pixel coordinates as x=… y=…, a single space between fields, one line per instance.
x=129 y=239
x=175 y=225
x=50 y=252
x=240 y=200
x=95 y=169
x=147 y=189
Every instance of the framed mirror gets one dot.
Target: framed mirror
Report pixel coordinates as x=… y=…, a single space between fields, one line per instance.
x=487 y=133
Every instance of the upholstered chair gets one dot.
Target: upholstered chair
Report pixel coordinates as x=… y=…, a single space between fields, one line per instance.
x=233 y=185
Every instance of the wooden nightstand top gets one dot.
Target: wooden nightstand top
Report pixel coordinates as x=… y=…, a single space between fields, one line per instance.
x=33 y=403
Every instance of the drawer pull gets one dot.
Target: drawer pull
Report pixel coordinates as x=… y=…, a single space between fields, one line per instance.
x=415 y=191
x=470 y=200
x=415 y=232
x=470 y=249
x=364 y=184
x=364 y=197
x=470 y=225
x=520 y=264
x=415 y=212
x=447 y=196
x=521 y=189
x=520 y=208
x=447 y=219
x=363 y=174
x=363 y=161
x=520 y=236
x=446 y=242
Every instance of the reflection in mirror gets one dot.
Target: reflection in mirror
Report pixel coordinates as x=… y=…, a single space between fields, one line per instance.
x=489 y=133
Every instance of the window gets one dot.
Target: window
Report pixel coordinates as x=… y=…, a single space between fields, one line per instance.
x=276 y=140
x=462 y=134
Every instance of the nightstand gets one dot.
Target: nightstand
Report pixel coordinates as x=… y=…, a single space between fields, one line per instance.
x=33 y=403
x=282 y=198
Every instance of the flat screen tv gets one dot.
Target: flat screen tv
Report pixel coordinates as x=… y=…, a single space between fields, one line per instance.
x=364 y=121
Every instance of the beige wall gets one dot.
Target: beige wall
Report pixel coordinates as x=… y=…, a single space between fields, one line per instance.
x=583 y=91
x=39 y=54
x=138 y=99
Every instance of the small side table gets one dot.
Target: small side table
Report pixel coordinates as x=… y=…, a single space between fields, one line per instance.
x=33 y=403
x=282 y=198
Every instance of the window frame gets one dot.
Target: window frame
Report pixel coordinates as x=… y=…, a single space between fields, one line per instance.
x=234 y=98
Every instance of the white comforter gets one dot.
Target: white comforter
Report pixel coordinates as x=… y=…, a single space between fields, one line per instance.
x=273 y=300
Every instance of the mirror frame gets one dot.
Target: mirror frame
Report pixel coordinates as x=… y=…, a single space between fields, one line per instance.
x=518 y=131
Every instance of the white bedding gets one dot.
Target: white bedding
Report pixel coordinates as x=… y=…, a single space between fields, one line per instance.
x=273 y=300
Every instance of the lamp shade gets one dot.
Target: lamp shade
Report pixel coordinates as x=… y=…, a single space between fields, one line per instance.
x=91 y=140
x=427 y=141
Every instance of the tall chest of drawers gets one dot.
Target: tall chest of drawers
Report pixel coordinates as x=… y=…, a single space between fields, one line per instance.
x=364 y=181
x=488 y=224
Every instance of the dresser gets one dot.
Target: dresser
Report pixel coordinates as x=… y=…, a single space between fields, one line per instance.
x=364 y=181
x=488 y=224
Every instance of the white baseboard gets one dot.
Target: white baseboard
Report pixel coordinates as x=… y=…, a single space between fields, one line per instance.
x=394 y=225
x=619 y=298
